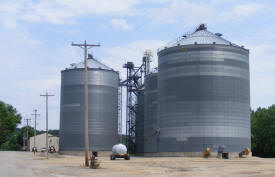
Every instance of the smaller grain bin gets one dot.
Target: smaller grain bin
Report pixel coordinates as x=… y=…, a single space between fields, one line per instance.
x=103 y=107
x=139 y=131
x=151 y=113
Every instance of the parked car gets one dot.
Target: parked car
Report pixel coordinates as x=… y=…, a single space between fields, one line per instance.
x=23 y=149
x=52 y=149
x=43 y=149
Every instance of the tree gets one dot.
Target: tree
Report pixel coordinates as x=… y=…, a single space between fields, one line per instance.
x=9 y=119
x=53 y=132
x=15 y=141
x=263 y=131
x=23 y=132
x=11 y=144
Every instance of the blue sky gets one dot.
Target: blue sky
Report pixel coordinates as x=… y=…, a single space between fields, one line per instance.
x=36 y=37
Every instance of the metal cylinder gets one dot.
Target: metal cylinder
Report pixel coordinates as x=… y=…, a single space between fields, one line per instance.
x=119 y=149
x=102 y=106
x=139 y=128
x=151 y=113
x=204 y=97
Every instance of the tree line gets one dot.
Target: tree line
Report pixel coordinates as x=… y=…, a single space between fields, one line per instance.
x=263 y=132
x=11 y=137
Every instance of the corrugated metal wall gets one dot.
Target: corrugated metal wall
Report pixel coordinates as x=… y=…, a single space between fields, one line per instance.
x=151 y=113
x=103 y=109
x=139 y=131
x=204 y=98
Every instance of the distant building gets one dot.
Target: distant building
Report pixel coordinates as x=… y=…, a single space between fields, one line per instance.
x=40 y=141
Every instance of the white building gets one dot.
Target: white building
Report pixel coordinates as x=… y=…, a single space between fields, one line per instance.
x=40 y=141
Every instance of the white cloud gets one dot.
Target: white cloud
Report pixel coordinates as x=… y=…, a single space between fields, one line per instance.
x=192 y=13
x=28 y=71
x=61 y=11
x=18 y=65
x=10 y=23
x=267 y=33
x=247 y=9
x=262 y=62
x=182 y=11
x=116 y=56
x=163 y=12
x=120 y=23
x=240 y=11
x=9 y=13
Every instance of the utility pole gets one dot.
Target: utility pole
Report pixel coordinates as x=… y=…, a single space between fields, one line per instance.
x=24 y=139
x=27 y=120
x=85 y=47
x=47 y=144
x=35 y=115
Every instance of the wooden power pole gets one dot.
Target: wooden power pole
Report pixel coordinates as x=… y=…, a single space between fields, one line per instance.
x=27 y=136
x=47 y=143
x=35 y=116
x=85 y=47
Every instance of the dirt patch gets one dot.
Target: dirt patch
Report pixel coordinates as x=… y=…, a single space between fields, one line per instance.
x=72 y=166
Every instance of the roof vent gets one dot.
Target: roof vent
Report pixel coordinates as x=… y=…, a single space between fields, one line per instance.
x=201 y=27
x=90 y=56
x=218 y=34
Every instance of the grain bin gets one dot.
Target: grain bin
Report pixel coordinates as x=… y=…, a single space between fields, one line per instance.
x=151 y=113
x=103 y=107
x=139 y=124
x=204 y=95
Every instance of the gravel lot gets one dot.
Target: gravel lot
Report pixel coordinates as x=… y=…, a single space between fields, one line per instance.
x=27 y=165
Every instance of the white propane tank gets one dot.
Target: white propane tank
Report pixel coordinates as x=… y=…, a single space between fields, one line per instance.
x=119 y=149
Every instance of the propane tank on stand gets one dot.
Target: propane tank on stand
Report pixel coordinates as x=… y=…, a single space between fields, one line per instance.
x=119 y=151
